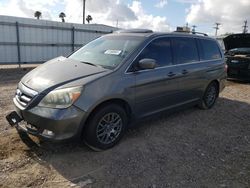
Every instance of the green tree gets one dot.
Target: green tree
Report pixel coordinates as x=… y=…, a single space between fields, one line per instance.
x=62 y=15
x=89 y=18
x=38 y=14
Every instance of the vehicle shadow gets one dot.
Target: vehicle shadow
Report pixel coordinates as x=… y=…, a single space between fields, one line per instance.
x=234 y=81
x=189 y=148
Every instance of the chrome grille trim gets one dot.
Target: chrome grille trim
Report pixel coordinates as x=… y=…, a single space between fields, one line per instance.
x=25 y=98
x=24 y=95
x=20 y=102
x=26 y=90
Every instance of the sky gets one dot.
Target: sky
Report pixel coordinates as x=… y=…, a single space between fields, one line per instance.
x=158 y=15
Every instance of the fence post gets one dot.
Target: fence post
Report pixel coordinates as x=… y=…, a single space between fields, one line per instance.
x=73 y=39
x=18 y=45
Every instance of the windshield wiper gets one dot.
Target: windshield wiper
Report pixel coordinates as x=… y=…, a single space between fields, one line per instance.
x=107 y=67
x=89 y=63
x=97 y=65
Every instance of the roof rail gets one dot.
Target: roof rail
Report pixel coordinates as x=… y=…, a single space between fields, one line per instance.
x=134 y=31
x=194 y=32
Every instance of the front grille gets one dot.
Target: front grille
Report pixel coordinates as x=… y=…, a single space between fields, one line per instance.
x=24 y=95
x=22 y=98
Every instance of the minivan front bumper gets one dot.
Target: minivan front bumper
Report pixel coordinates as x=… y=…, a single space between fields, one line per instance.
x=49 y=123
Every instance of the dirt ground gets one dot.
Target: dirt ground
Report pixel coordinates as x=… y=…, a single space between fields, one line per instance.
x=190 y=148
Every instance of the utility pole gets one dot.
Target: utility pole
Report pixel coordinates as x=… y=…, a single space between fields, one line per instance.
x=245 y=27
x=83 y=11
x=193 y=30
x=217 y=28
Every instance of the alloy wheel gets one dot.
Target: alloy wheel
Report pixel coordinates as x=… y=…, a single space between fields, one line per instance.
x=210 y=96
x=109 y=128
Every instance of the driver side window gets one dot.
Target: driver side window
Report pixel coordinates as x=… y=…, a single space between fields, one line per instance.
x=159 y=50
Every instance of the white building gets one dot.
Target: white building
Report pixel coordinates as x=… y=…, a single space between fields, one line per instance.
x=26 y=40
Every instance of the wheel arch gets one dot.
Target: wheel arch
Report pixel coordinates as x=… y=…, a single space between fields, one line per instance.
x=118 y=101
x=121 y=102
x=217 y=83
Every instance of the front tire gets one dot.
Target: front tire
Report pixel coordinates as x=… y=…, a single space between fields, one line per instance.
x=105 y=127
x=210 y=96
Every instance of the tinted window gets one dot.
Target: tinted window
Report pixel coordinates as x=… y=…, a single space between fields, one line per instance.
x=209 y=49
x=160 y=50
x=185 y=50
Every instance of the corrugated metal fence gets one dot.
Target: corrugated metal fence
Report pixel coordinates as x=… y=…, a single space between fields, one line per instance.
x=24 y=40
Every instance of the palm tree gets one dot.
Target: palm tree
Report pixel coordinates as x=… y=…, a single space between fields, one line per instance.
x=89 y=18
x=62 y=15
x=38 y=14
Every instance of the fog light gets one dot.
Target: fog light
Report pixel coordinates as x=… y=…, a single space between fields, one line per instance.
x=48 y=132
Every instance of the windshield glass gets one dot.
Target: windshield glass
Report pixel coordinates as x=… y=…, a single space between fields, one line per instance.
x=107 y=51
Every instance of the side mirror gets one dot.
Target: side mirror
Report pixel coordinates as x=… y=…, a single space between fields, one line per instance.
x=147 y=63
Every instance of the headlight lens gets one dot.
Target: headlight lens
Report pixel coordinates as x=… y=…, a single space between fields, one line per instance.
x=61 y=98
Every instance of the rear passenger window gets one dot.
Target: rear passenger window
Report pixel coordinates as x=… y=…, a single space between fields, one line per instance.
x=185 y=50
x=209 y=49
x=159 y=50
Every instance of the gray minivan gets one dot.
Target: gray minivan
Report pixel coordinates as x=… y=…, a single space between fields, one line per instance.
x=98 y=90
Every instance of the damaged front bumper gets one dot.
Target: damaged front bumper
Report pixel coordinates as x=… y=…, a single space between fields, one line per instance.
x=48 y=123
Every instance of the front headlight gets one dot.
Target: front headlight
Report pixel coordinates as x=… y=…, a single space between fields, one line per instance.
x=61 y=98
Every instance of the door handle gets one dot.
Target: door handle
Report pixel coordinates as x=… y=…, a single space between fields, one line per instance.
x=171 y=74
x=184 y=71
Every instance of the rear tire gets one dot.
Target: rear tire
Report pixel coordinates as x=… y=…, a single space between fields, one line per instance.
x=210 y=96
x=105 y=127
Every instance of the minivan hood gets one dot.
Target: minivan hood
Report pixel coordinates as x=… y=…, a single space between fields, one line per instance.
x=237 y=41
x=57 y=72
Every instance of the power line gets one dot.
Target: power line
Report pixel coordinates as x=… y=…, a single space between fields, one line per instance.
x=217 y=28
x=245 y=27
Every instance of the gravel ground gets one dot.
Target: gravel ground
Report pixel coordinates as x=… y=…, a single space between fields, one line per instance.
x=190 y=148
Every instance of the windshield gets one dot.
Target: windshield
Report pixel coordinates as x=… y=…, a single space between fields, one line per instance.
x=107 y=51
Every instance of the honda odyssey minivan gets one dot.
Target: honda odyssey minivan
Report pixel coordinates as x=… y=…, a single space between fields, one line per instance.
x=95 y=93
